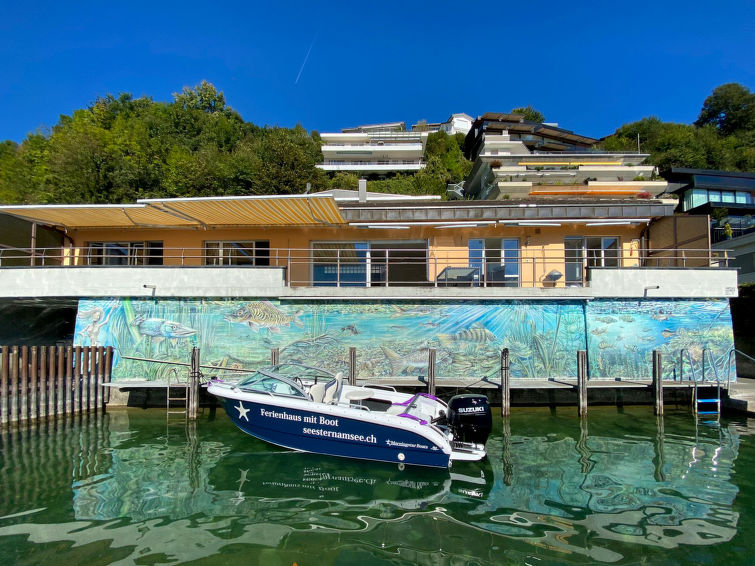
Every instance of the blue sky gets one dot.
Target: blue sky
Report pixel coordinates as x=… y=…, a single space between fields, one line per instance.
x=591 y=66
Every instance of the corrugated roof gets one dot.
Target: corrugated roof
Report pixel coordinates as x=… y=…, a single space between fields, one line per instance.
x=95 y=215
x=289 y=210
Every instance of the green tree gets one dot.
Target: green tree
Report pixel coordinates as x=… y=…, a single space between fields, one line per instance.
x=529 y=113
x=730 y=108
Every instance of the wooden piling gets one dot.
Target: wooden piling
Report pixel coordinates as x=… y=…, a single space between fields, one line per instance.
x=100 y=391
x=39 y=410
x=24 y=392
x=193 y=396
x=85 y=379
x=93 y=377
x=51 y=375
x=431 y=372
x=505 y=383
x=68 y=388
x=76 y=401
x=275 y=354
x=34 y=375
x=13 y=385
x=108 y=368
x=582 y=382
x=60 y=382
x=352 y=365
x=657 y=382
x=4 y=382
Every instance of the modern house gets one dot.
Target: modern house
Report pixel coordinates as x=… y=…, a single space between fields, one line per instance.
x=394 y=277
x=458 y=123
x=374 y=150
x=728 y=198
x=515 y=158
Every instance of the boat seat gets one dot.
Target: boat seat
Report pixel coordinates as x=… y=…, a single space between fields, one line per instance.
x=317 y=392
x=333 y=389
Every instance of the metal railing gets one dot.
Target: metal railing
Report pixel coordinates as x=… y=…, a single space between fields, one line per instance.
x=340 y=264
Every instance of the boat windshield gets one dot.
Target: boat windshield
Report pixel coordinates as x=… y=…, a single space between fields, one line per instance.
x=270 y=383
x=305 y=373
x=424 y=407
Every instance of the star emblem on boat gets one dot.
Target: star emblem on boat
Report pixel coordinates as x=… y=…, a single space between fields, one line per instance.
x=242 y=411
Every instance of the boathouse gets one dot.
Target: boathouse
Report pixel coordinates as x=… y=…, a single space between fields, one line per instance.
x=390 y=275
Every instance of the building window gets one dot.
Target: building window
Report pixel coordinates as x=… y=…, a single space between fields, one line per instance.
x=253 y=252
x=593 y=251
x=367 y=264
x=497 y=260
x=124 y=253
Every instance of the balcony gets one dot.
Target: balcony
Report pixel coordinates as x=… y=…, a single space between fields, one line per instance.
x=528 y=273
x=373 y=166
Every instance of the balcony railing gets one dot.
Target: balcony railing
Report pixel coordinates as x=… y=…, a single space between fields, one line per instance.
x=342 y=265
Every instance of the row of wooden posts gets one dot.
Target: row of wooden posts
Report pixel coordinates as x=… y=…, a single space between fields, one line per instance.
x=581 y=383
x=505 y=375
x=38 y=382
x=46 y=381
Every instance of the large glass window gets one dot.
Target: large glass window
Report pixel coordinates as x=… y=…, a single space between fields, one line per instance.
x=698 y=197
x=339 y=264
x=124 y=253
x=255 y=252
x=365 y=264
x=498 y=259
x=592 y=251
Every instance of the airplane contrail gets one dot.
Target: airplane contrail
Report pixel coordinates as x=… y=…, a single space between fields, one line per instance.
x=305 y=59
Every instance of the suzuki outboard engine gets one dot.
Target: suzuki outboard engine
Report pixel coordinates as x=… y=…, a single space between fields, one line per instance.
x=470 y=418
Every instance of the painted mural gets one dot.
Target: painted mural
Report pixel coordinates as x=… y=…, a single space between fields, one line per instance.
x=393 y=338
x=622 y=334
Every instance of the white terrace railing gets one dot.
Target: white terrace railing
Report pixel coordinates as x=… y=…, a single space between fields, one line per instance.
x=349 y=265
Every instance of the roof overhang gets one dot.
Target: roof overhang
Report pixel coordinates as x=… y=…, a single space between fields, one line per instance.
x=216 y=212
x=459 y=213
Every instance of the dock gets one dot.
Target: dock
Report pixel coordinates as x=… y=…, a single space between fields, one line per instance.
x=741 y=397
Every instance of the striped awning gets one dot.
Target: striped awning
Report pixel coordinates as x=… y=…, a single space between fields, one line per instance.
x=277 y=210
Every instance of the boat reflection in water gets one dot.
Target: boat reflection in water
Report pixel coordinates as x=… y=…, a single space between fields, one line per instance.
x=555 y=494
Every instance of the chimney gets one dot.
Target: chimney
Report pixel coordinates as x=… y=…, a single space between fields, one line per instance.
x=362 y=190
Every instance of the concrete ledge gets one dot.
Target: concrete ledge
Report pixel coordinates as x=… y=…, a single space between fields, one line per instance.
x=158 y=281
x=663 y=283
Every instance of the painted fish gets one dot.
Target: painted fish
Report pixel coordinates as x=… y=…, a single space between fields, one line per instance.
x=410 y=311
x=606 y=319
x=666 y=332
x=162 y=329
x=263 y=314
x=350 y=328
x=627 y=318
x=599 y=331
x=604 y=345
x=412 y=363
x=478 y=334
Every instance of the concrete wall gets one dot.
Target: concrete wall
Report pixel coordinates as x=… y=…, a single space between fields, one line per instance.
x=270 y=282
x=141 y=282
x=663 y=283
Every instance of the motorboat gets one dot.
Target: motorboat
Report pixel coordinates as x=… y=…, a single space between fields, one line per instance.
x=369 y=422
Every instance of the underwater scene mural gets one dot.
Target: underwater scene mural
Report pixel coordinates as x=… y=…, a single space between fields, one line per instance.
x=393 y=339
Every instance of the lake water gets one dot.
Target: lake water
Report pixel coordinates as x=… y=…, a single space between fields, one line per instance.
x=620 y=487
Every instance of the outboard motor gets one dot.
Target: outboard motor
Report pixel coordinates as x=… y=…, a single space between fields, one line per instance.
x=470 y=418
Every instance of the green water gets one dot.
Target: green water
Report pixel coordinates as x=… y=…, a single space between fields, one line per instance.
x=620 y=487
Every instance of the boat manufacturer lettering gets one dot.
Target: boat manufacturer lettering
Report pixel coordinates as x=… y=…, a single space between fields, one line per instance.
x=471 y=409
x=406 y=444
